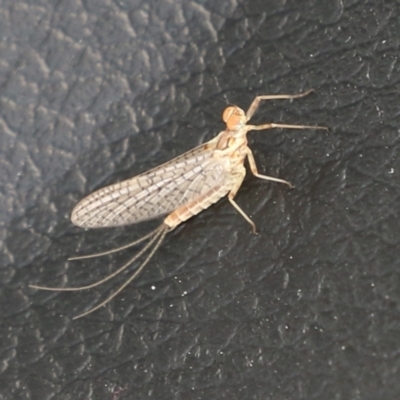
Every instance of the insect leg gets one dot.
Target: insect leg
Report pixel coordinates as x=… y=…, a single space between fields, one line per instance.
x=254 y=171
x=256 y=102
x=272 y=125
x=231 y=196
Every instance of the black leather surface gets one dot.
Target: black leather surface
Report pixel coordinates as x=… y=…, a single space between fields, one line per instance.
x=96 y=91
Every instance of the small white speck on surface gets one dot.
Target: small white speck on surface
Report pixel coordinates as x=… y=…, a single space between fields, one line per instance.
x=285 y=280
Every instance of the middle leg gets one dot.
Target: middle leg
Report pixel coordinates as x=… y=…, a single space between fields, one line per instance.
x=254 y=171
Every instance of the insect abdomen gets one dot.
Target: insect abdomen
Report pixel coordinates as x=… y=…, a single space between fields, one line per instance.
x=194 y=207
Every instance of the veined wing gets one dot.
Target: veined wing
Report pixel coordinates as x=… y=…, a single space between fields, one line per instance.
x=153 y=193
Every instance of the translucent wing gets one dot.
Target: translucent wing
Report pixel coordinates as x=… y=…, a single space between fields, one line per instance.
x=153 y=193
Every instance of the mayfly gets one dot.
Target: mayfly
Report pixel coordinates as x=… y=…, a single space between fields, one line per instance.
x=180 y=189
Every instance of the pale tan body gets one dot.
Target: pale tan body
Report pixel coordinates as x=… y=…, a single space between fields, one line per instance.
x=180 y=188
x=191 y=182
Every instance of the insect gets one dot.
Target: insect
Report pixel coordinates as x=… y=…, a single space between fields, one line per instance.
x=180 y=189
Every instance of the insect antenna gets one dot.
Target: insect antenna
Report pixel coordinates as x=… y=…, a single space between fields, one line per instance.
x=157 y=236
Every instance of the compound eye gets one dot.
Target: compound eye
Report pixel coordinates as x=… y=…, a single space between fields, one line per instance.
x=228 y=112
x=233 y=117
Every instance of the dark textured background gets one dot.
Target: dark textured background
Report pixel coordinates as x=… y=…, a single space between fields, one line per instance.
x=96 y=91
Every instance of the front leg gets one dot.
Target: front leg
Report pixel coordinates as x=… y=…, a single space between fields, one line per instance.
x=256 y=102
x=282 y=126
x=254 y=171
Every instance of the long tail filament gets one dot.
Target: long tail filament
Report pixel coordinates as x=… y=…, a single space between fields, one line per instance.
x=155 y=237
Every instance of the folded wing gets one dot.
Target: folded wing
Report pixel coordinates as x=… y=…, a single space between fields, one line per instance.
x=153 y=193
